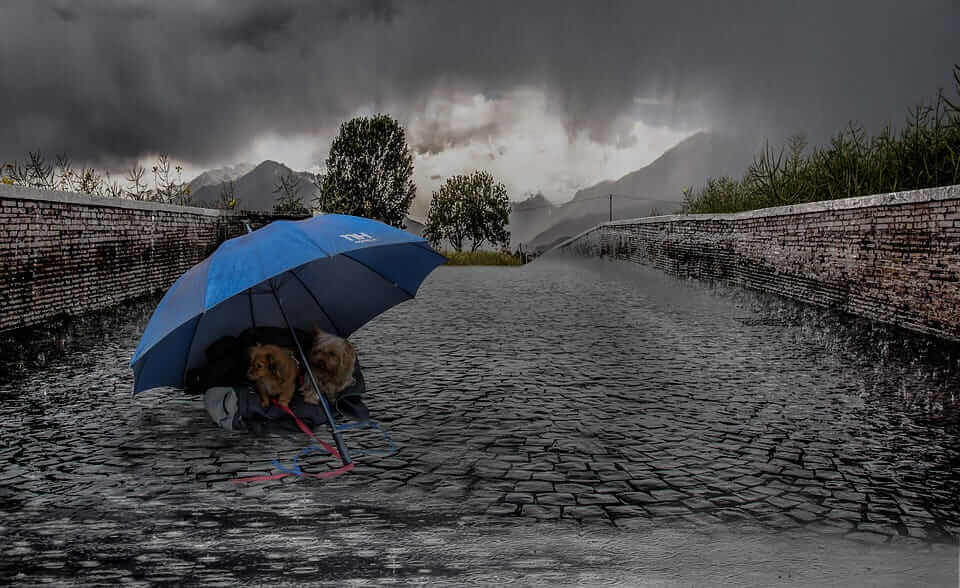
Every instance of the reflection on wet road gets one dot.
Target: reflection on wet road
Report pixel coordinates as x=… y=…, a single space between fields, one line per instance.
x=558 y=423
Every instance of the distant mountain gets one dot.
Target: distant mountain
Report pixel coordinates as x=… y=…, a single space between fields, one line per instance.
x=688 y=163
x=529 y=217
x=254 y=190
x=654 y=189
x=221 y=174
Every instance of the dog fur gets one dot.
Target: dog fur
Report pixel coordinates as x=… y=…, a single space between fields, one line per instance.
x=274 y=371
x=332 y=360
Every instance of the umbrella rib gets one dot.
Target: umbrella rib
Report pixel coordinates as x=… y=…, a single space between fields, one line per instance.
x=383 y=277
x=421 y=245
x=186 y=364
x=320 y=306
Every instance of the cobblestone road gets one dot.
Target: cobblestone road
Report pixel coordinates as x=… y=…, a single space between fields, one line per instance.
x=556 y=404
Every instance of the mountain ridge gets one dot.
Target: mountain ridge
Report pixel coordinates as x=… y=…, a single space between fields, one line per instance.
x=254 y=190
x=654 y=188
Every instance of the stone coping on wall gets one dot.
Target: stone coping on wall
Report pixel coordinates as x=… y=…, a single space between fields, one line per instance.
x=28 y=193
x=874 y=200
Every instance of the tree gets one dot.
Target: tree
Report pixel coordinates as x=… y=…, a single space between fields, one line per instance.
x=369 y=171
x=288 y=196
x=471 y=207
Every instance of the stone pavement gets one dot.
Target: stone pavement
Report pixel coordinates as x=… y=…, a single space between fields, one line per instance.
x=548 y=419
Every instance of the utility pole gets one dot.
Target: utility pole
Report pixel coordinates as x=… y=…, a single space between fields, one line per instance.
x=611 y=208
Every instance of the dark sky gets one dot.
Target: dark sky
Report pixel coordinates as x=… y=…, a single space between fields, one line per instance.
x=109 y=81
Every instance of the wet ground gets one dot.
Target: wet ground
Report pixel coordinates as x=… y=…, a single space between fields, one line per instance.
x=589 y=423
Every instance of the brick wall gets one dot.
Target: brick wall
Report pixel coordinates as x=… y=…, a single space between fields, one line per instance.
x=63 y=253
x=894 y=258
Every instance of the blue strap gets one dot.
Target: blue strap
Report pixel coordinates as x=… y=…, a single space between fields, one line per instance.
x=295 y=470
x=369 y=424
x=313 y=448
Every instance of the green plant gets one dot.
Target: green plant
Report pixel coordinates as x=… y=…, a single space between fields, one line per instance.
x=36 y=172
x=168 y=188
x=138 y=189
x=925 y=154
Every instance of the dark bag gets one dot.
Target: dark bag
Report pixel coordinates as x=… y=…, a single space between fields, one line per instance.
x=237 y=408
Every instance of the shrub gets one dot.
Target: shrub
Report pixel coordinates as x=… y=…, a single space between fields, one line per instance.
x=925 y=154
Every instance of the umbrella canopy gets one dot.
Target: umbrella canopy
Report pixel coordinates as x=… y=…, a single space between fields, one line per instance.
x=332 y=271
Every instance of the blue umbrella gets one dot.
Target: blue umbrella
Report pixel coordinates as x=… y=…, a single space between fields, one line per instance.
x=331 y=271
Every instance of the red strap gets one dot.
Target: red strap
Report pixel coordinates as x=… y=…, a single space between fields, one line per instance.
x=333 y=451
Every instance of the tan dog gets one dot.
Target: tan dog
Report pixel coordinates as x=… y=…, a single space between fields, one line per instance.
x=331 y=360
x=274 y=369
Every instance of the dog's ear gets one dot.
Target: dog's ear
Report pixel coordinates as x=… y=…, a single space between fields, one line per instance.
x=350 y=353
x=343 y=353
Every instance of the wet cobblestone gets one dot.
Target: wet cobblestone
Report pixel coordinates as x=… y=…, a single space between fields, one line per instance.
x=545 y=395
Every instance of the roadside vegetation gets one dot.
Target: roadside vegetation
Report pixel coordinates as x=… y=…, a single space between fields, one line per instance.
x=482 y=258
x=924 y=154
x=37 y=172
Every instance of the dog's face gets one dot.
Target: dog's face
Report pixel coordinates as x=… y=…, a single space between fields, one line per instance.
x=258 y=365
x=332 y=354
x=270 y=361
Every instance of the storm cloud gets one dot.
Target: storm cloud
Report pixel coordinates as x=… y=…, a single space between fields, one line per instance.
x=111 y=81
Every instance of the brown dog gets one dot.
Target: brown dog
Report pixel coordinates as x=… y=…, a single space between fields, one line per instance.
x=274 y=370
x=331 y=360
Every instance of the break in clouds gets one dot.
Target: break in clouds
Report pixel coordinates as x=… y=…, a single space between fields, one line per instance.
x=215 y=81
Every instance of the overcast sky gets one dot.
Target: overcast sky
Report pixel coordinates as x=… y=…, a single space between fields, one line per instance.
x=549 y=96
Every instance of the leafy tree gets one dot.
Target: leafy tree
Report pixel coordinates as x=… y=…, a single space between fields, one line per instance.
x=369 y=171
x=288 y=196
x=471 y=207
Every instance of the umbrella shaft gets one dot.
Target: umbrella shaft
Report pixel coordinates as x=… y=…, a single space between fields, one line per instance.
x=337 y=436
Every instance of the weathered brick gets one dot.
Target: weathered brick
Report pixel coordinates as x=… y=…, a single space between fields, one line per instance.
x=81 y=255
x=894 y=263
